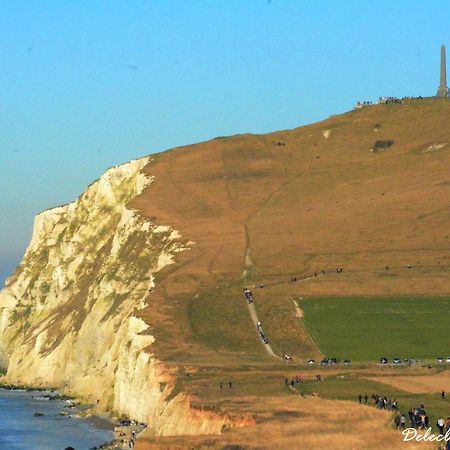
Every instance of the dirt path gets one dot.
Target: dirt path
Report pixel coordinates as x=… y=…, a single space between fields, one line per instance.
x=254 y=316
x=249 y=266
x=298 y=310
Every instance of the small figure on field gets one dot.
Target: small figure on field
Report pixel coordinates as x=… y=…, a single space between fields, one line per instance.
x=403 y=422
x=440 y=425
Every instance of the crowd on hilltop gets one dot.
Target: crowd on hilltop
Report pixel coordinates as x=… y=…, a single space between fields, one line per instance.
x=383 y=100
x=361 y=104
x=386 y=100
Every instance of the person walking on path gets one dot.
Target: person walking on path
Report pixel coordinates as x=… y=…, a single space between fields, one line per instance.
x=397 y=419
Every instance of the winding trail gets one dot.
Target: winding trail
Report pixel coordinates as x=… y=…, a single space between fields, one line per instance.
x=249 y=268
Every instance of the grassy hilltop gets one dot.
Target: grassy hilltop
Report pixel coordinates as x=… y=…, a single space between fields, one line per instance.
x=360 y=191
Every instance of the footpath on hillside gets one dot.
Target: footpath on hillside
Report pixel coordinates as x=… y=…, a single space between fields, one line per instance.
x=254 y=316
x=257 y=323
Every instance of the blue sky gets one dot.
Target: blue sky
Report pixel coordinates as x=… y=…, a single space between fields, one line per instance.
x=85 y=85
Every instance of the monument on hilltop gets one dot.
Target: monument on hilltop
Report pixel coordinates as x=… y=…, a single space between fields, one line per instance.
x=443 y=89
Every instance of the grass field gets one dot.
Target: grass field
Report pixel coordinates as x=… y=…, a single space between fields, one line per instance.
x=348 y=387
x=366 y=329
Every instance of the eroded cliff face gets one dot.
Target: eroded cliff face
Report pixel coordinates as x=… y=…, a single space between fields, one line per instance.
x=67 y=316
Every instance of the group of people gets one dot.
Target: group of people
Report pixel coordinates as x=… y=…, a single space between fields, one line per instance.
x=385 y=403
x=129 y=442
x=261 y=333
x=390 y=100
x=418 y=417
x=361 y=104
x=316 y=274
x=396 y=99
x=296 y=380
x=127 y=432
x=408 y=266
x=385 y=100
x=248 y=295
x=340 y=270
x=381 y=402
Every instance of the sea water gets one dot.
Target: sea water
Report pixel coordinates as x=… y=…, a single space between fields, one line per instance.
x=20 y=429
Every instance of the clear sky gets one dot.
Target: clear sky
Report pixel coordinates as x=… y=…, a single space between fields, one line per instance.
x=85 y=85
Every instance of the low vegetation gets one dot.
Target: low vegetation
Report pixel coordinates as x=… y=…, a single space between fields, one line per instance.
x=381 y=145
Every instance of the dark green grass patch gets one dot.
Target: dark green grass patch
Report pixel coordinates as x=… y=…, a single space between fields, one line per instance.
x=366 y=329
x=220 y=319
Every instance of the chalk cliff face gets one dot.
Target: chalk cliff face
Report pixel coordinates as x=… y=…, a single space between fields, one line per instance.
x=67 y=316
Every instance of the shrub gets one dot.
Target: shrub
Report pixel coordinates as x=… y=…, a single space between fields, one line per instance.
x=382 y=145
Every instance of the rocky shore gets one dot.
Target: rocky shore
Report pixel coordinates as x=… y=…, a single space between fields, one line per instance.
x=125 y=430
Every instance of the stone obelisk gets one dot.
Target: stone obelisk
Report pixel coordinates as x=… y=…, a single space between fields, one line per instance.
x=443 y=89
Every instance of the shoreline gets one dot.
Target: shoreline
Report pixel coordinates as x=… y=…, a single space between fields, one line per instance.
x=83 y=411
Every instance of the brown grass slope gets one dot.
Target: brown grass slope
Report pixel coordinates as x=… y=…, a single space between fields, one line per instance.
x=296 y=202
x=298 y=424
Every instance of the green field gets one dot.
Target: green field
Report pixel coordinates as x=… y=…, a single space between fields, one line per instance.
x=366 y=329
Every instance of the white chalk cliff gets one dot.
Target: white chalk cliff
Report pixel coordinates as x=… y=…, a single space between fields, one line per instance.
x=68 y=314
